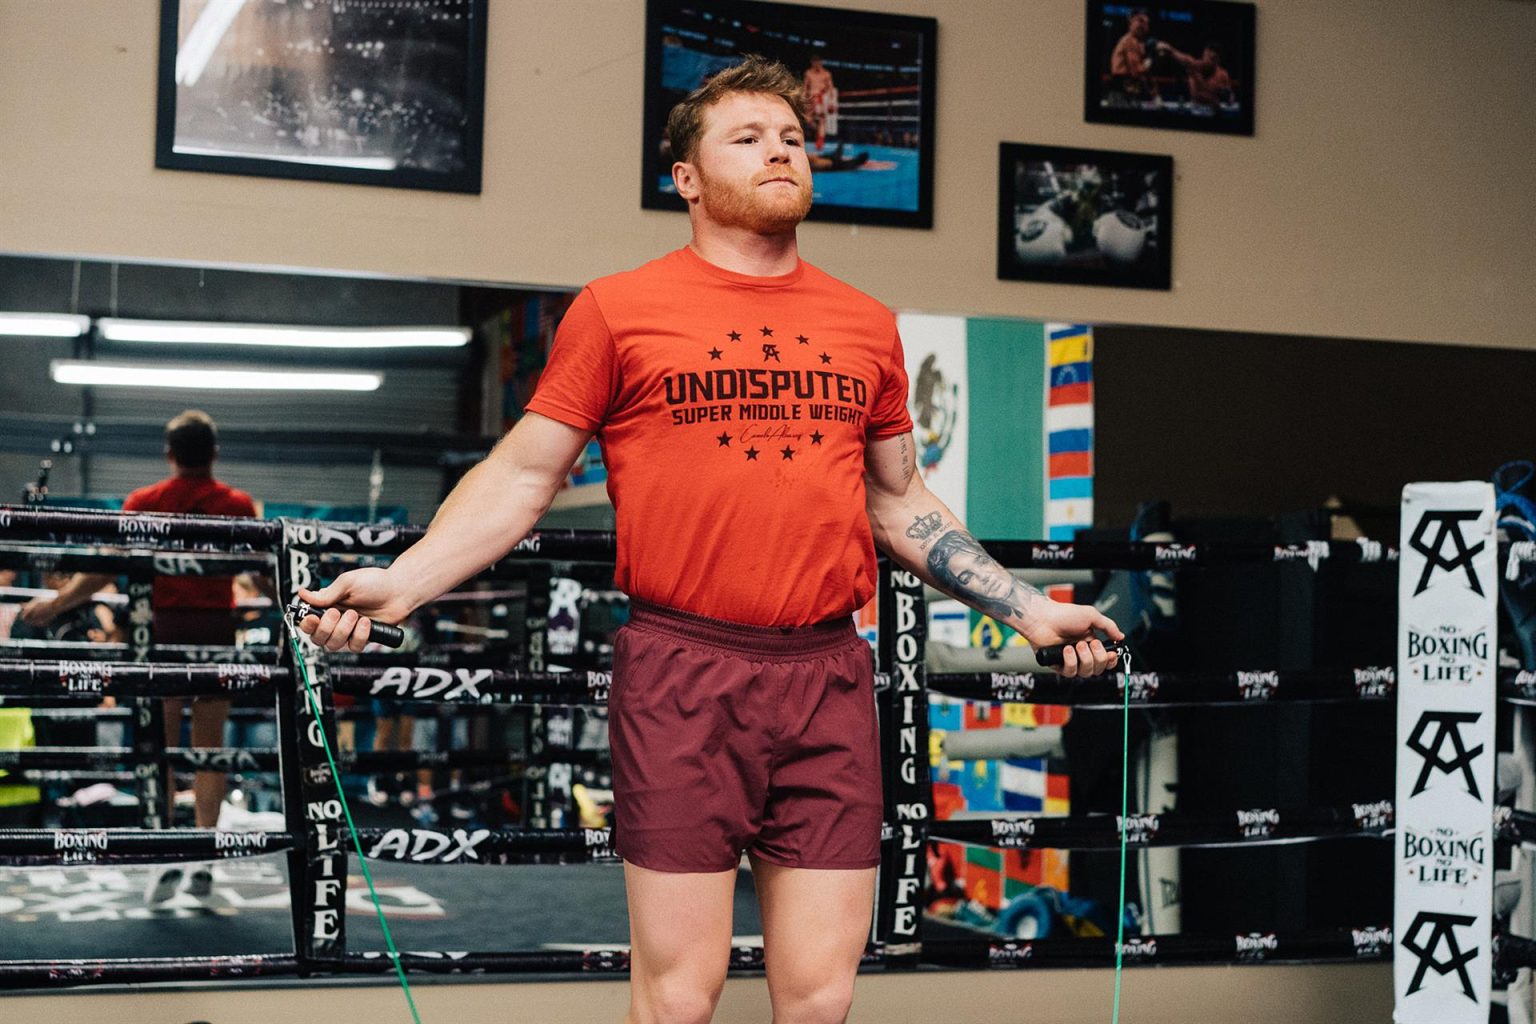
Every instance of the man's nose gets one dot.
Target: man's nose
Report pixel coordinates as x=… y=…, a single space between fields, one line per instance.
x=778 y=152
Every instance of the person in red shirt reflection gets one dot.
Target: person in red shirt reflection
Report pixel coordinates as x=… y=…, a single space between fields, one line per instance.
x=188 y=609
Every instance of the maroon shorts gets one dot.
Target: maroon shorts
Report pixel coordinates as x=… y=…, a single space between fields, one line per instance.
x=728 y=738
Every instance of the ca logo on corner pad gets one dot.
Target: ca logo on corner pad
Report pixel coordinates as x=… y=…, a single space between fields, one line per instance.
x=1449 y=523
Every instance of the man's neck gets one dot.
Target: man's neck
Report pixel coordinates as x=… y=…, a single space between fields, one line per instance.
x=747 y=252
x=182 y=472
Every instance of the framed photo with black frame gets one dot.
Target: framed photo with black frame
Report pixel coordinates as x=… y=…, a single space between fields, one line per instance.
x=1185 y=64
x=370 y=92
x=869 y=85
x=1084 y=216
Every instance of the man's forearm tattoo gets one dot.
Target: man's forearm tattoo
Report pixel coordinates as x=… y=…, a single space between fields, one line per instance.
x=964 y=569
x=926 y=526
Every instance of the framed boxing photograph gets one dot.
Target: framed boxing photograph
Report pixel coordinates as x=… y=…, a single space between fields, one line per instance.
x=868 y=82
x=370 y=92
x=1185 y=64
x=1084 y=216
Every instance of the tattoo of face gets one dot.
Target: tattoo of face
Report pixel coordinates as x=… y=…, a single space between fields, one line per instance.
x=963 y=568
x=926 y=526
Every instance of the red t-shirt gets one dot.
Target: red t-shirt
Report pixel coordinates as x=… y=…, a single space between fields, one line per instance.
x=733 y=413
x=200 y=495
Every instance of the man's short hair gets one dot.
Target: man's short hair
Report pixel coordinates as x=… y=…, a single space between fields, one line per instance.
x=754 y=74
x=192 y=439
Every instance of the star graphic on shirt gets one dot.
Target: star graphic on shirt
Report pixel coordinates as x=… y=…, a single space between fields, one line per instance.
x=816 y=437
x=802 y=339
x=787 y=452
x=734 y=335
x=751 y=454
x=767 y=332
x=714 y=353
x=725 y=440
x=825 y=358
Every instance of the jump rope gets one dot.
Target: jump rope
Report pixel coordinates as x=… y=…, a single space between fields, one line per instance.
x=391 y=636
x=1049 y=657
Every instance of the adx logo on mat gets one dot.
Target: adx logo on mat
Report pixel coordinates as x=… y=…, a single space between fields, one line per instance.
x=1447 y=730
x=1434 y=557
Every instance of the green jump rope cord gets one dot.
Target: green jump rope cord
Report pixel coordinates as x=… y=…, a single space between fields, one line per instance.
x=314 y=707
x=1125 y=788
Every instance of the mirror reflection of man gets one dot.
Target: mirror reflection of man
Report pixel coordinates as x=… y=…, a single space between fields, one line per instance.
x=187 y=610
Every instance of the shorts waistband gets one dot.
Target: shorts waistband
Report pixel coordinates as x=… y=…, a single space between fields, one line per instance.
x=772 y=642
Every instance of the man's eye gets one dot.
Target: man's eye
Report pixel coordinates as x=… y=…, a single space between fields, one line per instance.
x=792 y=141
x=748 y=138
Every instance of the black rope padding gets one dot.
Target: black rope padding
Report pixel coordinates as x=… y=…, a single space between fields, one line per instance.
x=1132 y=555
x=254 y=759
x=32 y=847
x=1173 y=689
x=586 y=961
x=461 y=685
x=1372 y=942
x=1512 y=952
x=1514 y=826
x=19 y=974
x=590 y=961
x=142 y=679
x=559 y=544
x=1517 y=686
x=1257 y=826
x=52 y=558
x=488 y=846
x=154 y=529
x=137 y=527
x=1373 y=683
x=191 y=654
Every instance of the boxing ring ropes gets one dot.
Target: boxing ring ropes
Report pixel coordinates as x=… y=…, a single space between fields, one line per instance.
x=144 y=546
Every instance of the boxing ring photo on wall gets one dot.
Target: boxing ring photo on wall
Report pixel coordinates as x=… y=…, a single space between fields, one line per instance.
x=1186 y=65
x=1084 y=216
x=370 y=92
x=867 y=84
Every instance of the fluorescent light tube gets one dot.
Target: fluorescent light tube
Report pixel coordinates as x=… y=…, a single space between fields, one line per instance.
x=44 y=325
x=284 y=335
x=104 y=374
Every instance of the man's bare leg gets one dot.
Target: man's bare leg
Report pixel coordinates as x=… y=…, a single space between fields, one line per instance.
x=680 y=943
x=815 y=925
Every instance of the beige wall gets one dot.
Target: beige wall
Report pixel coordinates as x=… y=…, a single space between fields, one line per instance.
x=1387 y=193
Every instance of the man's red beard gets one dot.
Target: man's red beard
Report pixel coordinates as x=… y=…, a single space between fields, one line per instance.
x=766 y=211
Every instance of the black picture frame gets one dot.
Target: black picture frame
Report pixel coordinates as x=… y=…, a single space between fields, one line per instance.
x=1055 y=225
x=403 y=86
x=685 y=40
x=1172 y=92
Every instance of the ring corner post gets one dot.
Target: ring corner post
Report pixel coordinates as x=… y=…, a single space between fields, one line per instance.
x=903 y=711
x=317 y=862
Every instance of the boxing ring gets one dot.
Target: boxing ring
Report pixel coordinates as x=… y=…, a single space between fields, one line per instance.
x=318 y=849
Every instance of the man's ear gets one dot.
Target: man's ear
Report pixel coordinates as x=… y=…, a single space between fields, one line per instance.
x=686 y=179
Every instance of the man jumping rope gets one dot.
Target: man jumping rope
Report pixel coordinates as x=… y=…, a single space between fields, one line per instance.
x=753 y=417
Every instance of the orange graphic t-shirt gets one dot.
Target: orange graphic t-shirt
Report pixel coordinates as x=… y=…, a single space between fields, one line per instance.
x=733 y=412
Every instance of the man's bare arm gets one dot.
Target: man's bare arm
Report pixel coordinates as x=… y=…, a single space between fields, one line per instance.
x=911 y=524
x=78 y=590
x=484 y=516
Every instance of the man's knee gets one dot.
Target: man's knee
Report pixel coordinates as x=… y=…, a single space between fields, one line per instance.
x=826 y=1004
x=672 y=1001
